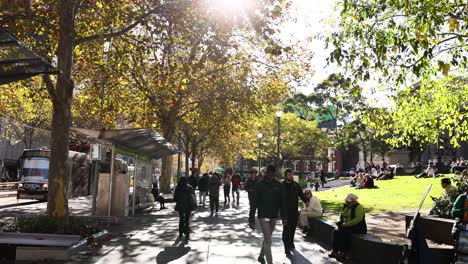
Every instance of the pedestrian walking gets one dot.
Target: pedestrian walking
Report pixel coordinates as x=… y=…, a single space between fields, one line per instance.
x=291 y=191
x=269 y=204
x=213 y=189
x=227 y=189
x=184 y=197
x=250 y=189
x=322 y=178
x=193 y=179
x=203 y=188
x=236 y=184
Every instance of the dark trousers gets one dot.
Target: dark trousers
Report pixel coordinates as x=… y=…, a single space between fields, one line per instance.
x=252 y=208
x=341 y=239
x=289 y=230
x=235 y=190
x=214 y=202
x=227 y=189
x=184 y=218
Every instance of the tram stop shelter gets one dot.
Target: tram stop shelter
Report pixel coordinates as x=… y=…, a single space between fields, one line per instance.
x=17 y=62
x=121 y=191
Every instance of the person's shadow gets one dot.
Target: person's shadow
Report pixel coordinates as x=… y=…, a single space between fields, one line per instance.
x=176 y=251
x=298 y=258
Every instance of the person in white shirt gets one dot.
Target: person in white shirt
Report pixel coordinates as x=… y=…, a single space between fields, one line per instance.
x=312 y=208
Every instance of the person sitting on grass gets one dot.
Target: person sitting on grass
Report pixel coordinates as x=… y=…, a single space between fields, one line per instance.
x=369 y=182
x=352 y=221
x=312 y=209
x=360 y=181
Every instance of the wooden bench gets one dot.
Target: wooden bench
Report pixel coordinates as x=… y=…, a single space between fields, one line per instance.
x=367 y=249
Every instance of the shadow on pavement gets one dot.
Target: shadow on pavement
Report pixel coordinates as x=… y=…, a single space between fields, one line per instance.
x=172 y=253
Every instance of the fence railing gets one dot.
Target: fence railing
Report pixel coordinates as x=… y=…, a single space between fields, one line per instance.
x=8 y=186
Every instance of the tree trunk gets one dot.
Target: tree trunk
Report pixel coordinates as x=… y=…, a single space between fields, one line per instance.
x=57 y=204
x=166 y=171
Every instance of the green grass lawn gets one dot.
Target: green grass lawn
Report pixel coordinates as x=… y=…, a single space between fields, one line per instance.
x=403 y=193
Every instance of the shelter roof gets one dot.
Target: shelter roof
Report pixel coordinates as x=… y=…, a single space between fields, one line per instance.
x=142 y=141
x=17 y=62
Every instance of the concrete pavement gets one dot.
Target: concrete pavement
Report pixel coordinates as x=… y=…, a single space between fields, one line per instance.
x=225 y=239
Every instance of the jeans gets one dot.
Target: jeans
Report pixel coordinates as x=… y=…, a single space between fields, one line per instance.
x=235 y=189
x=184 y=226
x=202 y=197
x=267 y=226
x=252 y=208
x=289 y=230
x=227 y=189
x=214 y=202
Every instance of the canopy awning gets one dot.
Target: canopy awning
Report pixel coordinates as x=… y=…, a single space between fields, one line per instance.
x=141 y=141
x=17 y=62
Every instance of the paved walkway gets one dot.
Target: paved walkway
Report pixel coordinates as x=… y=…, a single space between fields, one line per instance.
x=225 y=239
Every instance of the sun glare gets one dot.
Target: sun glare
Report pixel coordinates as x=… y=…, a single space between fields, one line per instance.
x=232 y=5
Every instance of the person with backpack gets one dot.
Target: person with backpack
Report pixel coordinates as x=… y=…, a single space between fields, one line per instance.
x=203 y=188
x=213 y=188
x=184 y=197
x=352 y=221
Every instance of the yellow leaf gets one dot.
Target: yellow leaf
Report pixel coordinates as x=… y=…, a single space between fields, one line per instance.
x=453 y=24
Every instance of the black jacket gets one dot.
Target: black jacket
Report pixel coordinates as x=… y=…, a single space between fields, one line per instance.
x=268 y=198
x=250 y=185
x=182 y=197
x=203 y=183
x=193 y=181
x=291 y=191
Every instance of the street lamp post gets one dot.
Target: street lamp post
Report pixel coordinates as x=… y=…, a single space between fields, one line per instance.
x=260 y=135
x=279 y=113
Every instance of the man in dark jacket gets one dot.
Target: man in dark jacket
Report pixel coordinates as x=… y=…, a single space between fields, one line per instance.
x=290 y=193
x=250 y=189
x=213 y=188
x=269 y=204
x=193 y=179
x=183 y=196
x=203 y=188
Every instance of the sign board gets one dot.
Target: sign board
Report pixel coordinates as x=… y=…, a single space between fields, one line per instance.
x=98 y=152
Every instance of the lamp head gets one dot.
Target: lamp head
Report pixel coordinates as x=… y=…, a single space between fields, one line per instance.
x=279 y=113
x=260 y=135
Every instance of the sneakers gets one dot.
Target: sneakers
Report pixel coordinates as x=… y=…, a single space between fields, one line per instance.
x=261 y=260
x=252 y=226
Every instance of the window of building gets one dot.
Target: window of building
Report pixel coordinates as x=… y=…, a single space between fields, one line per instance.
x=307 y=165
x=295 y=165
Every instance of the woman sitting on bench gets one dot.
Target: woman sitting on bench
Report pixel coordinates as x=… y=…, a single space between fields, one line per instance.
x=312 y=209
x=352 y=221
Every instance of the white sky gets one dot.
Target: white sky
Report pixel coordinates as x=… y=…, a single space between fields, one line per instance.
x=309 y=22
x=312 y=19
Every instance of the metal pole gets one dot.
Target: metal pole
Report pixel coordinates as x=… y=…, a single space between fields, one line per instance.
x=3 y=147
x=179 y=157
x=135 y=170
x=95 y=186
x=278 y=144
x=259 y=144
x=111 y=178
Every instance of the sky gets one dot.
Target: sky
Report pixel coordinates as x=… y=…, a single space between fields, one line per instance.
x=310 y=22
x=313 y=19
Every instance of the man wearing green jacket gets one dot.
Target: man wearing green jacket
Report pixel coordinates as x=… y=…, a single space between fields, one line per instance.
x=460 y=208
x=352 y=221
